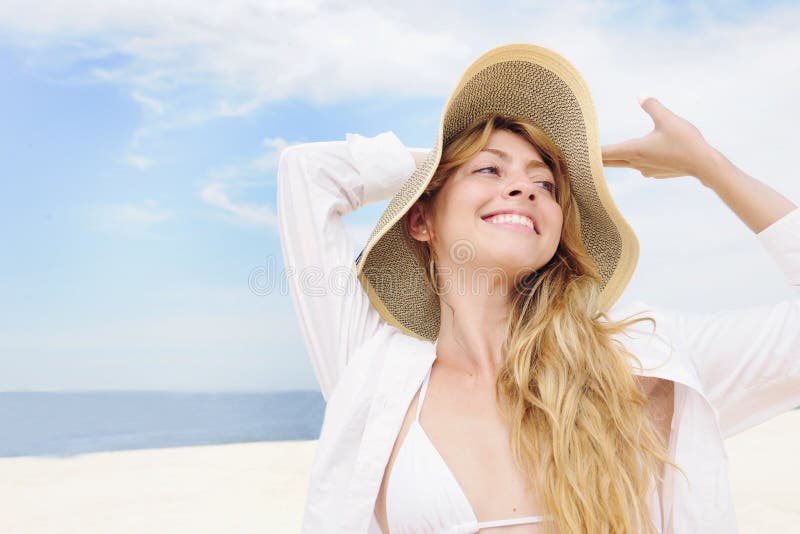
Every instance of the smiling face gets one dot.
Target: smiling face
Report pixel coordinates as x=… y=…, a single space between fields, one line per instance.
x=497 y=210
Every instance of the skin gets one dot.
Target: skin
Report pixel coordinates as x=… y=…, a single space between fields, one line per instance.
x=459 y=406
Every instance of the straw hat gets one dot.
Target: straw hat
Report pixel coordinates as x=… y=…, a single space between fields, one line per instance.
x=522 y=80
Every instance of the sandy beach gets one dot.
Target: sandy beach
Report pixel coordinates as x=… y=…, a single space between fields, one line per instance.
x=260 y=487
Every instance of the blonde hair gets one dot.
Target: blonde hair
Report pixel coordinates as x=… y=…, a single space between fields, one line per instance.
x=580 y=429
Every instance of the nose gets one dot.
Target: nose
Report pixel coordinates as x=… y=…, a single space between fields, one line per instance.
x=520 y=186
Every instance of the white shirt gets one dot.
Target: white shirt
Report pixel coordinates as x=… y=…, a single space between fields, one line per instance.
x=732 y=369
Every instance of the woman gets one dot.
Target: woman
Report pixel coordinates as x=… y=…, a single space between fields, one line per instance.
x=476 y=374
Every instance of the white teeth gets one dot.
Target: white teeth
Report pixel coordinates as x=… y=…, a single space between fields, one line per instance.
x=511 y=218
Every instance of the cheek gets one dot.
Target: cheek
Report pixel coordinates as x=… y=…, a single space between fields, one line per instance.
x=557 y=222
x=460 y=206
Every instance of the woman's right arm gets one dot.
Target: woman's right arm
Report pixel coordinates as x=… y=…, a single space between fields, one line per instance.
x=318 y=183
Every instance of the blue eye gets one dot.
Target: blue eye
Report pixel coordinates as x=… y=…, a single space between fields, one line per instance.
x=550 y=186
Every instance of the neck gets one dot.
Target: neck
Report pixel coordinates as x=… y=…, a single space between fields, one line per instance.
x=472 y=331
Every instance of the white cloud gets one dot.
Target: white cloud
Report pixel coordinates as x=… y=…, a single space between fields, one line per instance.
x=217 y=194
x=269 y=160
x=148 y=102
x=730 y=75
x=140 y=162
x=197 y=61
x=230 y=179
x=128 y=217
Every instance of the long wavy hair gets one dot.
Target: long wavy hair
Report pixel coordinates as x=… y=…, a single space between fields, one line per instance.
x=580 y=427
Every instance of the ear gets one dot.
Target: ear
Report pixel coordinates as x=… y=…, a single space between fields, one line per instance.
x=417 y=222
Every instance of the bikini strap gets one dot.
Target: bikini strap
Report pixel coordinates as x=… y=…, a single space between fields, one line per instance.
x=515 y=521
x=422 y=393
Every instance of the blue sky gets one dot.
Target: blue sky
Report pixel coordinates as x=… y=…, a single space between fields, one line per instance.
x=138 y=192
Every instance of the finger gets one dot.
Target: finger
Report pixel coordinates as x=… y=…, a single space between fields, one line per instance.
x=657 y=111
x=658 y=171
x=616 y=163
x=625 y=151
x=668 y=174
x=655 y=172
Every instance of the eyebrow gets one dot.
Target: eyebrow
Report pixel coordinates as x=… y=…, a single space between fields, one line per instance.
x=534 y=163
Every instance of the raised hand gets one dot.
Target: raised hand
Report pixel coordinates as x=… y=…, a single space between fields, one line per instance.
x=675 y=147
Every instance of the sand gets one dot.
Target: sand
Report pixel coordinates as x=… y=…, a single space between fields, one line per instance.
x=260 y=487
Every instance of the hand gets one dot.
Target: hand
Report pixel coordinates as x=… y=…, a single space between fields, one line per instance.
x=675 y=147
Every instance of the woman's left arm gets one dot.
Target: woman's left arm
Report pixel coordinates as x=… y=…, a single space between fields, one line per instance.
x=747 y=360
x=676 y=147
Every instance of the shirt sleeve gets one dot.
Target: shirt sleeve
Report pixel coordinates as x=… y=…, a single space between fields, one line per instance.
x=748 y=360
x=318 y=183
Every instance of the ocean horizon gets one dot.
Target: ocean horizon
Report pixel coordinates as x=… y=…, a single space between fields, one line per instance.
x=70 y=423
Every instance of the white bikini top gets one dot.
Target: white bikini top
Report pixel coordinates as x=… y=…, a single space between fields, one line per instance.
x=423 y=495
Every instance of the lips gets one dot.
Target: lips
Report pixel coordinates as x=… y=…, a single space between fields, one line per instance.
x=513 y=212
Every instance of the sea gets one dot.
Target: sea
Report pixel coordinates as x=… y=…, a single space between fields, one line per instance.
x=66 y=424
